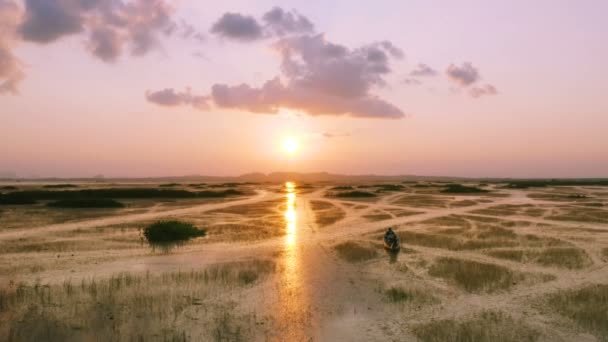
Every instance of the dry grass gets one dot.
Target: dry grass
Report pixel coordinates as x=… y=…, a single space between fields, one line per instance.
x=474 y=276
x=377 y=215
x=403 y=212
x=248 y=230
x=422 y=201
x=320 y=205
x=133 y=307
x=254 y=209
x=587 y=307
x=353 y=251
x=326 y=213
x=564 y=257
x=398 y=294
x=488 y=326
x=582 y=215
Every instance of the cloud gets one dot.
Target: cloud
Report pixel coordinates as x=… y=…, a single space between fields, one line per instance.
x=11 y=73
x=331 y=135
x=311 y=62
x=479 y=91
x=110 y=24
x=319 y=78
x=412 y=82
x=170 y=98
x=238 y=27
x=274 y=23
x=112 y=27
x=282 y=23
x=463 y=75
x=423 y=70
x=49 y=20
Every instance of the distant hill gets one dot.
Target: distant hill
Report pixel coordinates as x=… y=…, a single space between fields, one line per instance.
x=276 y=177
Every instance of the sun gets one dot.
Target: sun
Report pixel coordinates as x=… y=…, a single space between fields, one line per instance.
x=291 y=145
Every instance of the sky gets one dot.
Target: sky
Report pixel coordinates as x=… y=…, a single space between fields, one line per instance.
x=166 y=88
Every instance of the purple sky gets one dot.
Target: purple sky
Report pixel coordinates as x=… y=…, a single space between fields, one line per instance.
x=151 y=87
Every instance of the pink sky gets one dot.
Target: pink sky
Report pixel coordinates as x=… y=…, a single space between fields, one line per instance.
x=77 y=111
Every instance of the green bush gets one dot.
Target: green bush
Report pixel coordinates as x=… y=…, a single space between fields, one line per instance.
x=171 y=231
x=86 y=203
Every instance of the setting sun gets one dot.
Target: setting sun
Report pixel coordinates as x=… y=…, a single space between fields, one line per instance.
x=290 y=145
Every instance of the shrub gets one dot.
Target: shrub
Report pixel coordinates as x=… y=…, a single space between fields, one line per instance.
x=86 y=203
x=359 y=194
x=11 y=199
x=59 y=186
x=462 y=189
x=171 y=231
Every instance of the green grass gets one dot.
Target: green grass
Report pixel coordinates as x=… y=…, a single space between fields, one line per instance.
x=171 y=231
x=587 y=307
x=473 y=276
x=488 y=326
x=355 y=252
x=86 y=203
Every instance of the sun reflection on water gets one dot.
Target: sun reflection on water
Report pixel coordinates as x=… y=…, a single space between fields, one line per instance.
x=293 y=307
x=290 y=215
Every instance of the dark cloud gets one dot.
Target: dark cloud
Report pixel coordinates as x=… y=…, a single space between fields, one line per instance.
x=237 y=26
x=170 y=98
x=49 y=20
x=11 y=73
x=479 y=91
x=281 y=23
x=463 y=75
x=423 y=70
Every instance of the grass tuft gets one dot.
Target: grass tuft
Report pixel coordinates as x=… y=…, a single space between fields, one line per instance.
x=488 y=326
x=588 y=307
x=355 y=252
x=474 y=276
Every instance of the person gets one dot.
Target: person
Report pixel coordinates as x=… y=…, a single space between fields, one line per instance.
x=390 y=236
